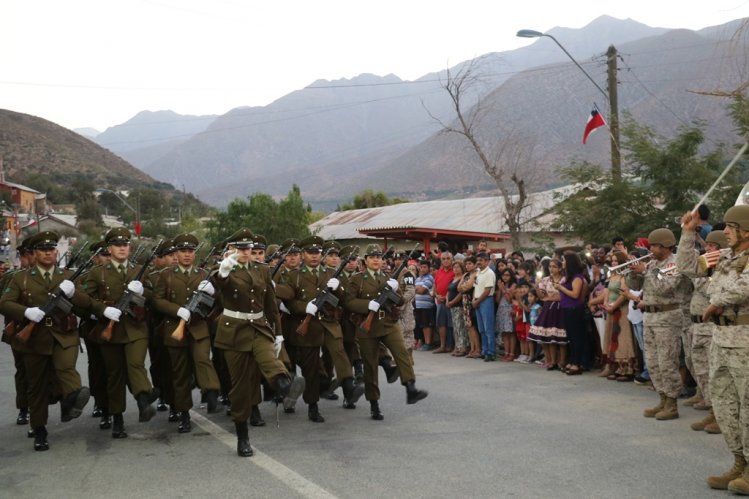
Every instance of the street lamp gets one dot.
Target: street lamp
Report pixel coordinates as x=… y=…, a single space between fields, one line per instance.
x=134 y=210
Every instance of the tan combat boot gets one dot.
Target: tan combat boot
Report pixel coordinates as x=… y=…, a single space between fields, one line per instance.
x=650 y=413
x=721 y=482
x=701 y=425
x=670 y=410
x=697 y=397
x=740 y=485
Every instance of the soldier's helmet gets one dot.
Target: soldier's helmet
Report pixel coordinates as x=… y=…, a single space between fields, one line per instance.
x=738 y=215
x=717 y=238
x=664 y=237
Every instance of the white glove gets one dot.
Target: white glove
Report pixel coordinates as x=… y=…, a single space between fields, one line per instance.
x=34 y=314
x=206 y=287
x=136 y=287
x=373 y=306
x=113 y=314
x=333 y=283
x=227 y=264
x=282 y=308
x=311 y=308
x=393 y=285
x=277 y=345
x=68 y=288
x=183 y=314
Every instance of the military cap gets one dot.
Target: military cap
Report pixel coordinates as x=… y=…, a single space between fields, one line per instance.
x=738 y=215
x=272 y=248
x=399 y=255
x=44 y=240
x=166 y=247
x=117 y=235
x=312 y=243
x=241 y=239
x=717 y=238
x=99 y=245
x=259 y=241
x=347 y=252
x=291 y=246
x=664 y=237
x=23 y=247
x=373 y=250
x=331 y=247
x=185 y=241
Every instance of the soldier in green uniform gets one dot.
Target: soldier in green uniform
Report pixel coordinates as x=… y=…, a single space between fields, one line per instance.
x=361 y=297
x=185 y=332
x=53 y=343
x=245 y=332
x=124 y=353
x=350 y=343
x=323 y=329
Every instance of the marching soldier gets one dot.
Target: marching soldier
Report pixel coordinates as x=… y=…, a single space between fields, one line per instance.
x=350 y=343
x=190 y=353
x=688 y=263
x=361 y=298
x=52 y=346
x=292 y=259
x=666 y=294
x=728 y=292
x=124 y=353
x=323 y=327
x=245 y=333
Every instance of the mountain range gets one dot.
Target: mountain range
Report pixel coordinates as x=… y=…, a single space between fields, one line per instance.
x=335 y=138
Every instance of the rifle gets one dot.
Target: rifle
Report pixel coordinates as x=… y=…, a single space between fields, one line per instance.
x=10 y=327
x=57 y=304
x=281 y=259
x=326 y=296
x=128 y=300
x=134 y=258
x=207 y=257
x=75 y=257
x=200 y=303
x=387 y=297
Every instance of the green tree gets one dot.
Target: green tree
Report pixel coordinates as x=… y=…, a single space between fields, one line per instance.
x=370 y=199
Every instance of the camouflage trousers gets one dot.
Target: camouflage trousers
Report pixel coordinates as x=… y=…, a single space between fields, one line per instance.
x=729 y=388
x=702 y=338
x=686 y=344
x=662 y=349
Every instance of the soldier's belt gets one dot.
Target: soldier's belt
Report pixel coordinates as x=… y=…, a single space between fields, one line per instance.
x=661 y=308
x=246 y=316
x=738 y=320
x=697 y=319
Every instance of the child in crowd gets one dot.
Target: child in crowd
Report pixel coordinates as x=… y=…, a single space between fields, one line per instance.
x=522 y=324
x=534 y=309
x=503 y=297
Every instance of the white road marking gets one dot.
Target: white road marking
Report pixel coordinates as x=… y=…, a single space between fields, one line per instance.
x=288 y=476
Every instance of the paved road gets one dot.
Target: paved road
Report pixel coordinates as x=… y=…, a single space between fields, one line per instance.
x=486 y=430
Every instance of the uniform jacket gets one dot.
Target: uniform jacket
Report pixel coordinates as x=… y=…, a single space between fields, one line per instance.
x=729 y=288
x=664 y=285
x=173 y=289
x=362 y=288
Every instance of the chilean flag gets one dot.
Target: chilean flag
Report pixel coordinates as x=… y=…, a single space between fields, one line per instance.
x=595 y=121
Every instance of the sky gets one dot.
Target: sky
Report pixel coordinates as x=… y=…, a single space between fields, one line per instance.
x=97 y=63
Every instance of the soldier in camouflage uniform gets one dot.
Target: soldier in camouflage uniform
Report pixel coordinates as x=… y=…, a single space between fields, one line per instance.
x=688 y=263
x=729 y=353
x=666 y=295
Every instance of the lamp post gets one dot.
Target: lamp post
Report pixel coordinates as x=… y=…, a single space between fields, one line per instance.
x=611 y=97
x=135 y=210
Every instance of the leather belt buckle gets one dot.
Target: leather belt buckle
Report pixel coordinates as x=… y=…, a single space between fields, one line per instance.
x=380 y=314
x=48 y=321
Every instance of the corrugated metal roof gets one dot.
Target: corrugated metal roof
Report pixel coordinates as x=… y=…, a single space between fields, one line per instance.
x=471 y=215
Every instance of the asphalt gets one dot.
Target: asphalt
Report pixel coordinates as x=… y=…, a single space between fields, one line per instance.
x=486 y=430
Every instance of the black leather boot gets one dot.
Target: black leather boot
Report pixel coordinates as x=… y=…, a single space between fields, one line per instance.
x=72 y=405
x=413 y=395
x=145 y=410
x=374 y=410
x=352 y=392
x=359 y=371
x=212 y=404
x=173 y=415
x=391 y=370
x=23 y=417
x=161 y=406
x=40 y=439
x=97 y=412
x=243 y=440
x=118 y=426
x=256 y=419
x=105 y=422
x=313 y=413
x=328 y=388
x=184 y=422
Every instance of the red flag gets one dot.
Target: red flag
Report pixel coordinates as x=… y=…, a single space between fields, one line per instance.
x=595 y=121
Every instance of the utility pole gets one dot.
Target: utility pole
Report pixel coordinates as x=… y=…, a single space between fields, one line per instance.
x=616 y=154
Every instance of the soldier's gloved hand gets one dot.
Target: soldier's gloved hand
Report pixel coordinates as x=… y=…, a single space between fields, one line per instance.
x=113 y=314
x=311 y=308
x=227 y=264
x=393 y=285
x=206 y=287
x=373 y=306
x=34 y=314
x=277 y=345
x=333 y=283
x=183 y=314
x=282 y=307
x=68 y=288
x=135 y=287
